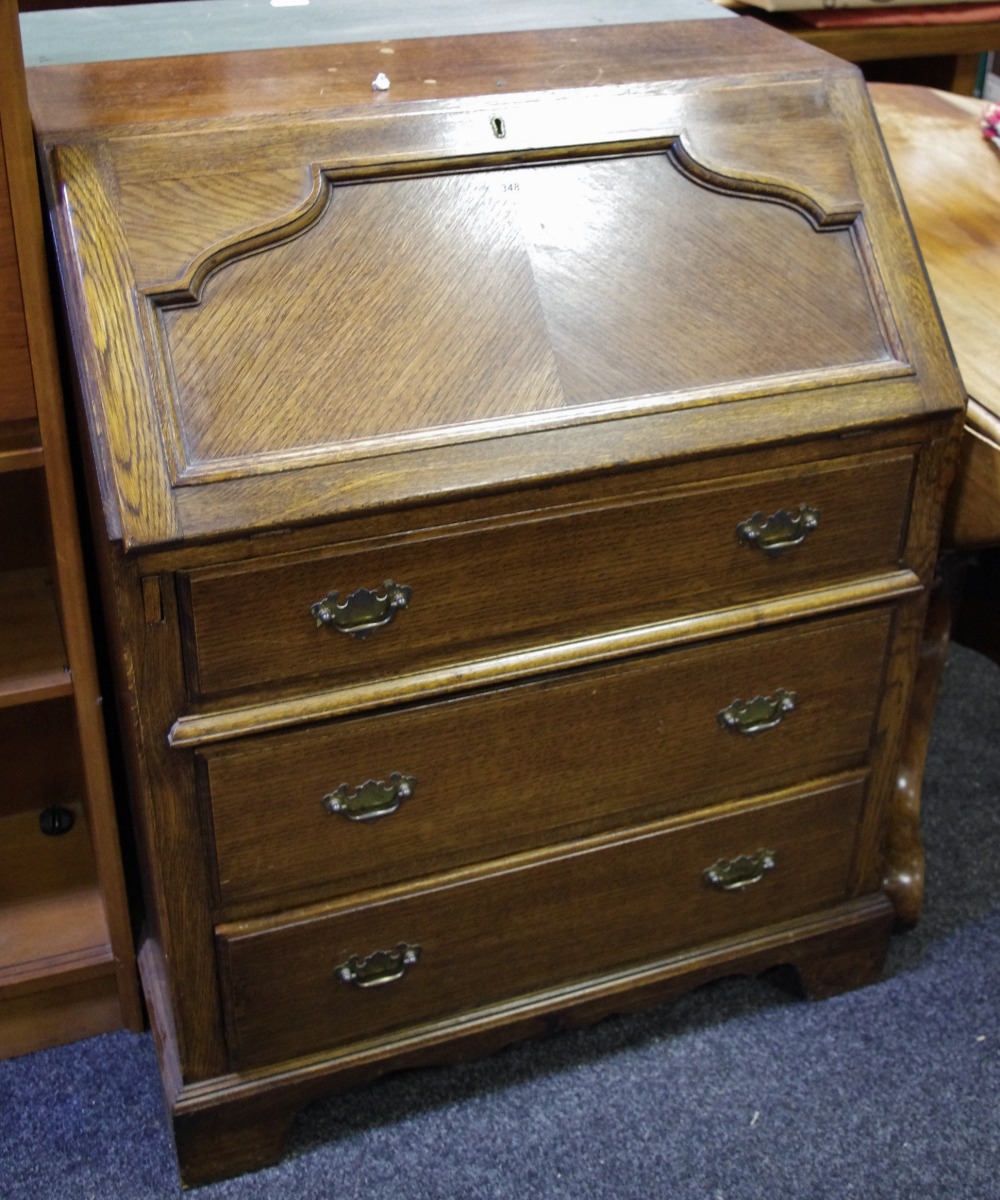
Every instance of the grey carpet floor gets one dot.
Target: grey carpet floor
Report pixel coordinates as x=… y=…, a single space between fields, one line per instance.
x=734 y=1092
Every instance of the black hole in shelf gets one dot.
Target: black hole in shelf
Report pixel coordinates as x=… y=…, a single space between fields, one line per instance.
x=56 y=820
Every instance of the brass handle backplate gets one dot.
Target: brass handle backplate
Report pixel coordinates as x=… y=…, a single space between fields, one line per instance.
x=759 y=714
x=735 y=874
x=780 y=531
x=378 y=968
x=362 y=612
x=371 y=800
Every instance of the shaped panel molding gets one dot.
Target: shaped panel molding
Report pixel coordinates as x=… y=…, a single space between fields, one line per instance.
x=789 y=140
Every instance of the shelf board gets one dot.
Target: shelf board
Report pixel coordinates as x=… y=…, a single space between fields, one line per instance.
x=32 y=655
x=20 y=446
x=53 y=927
x=46 y=938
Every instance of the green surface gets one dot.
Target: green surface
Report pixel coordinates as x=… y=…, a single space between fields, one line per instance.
x=207 y=26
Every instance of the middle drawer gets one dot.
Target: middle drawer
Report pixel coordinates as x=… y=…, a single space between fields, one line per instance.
x=388 y=797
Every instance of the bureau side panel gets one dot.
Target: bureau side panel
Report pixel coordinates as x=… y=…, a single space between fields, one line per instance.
x=178 y=962
x=890 y=853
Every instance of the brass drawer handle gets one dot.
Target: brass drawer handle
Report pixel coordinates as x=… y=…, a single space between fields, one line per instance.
x=378 y=968
x=371 y=800
x=780 y=531
x=759 y=714
x=732 y=875
x=363 y=611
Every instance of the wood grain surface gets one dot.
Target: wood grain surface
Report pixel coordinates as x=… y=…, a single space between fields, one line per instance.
x=318 y=78
x=950 y=177
x=536 y=353
x=353 y=343
x=594 y=750
x=66 y=957
x=605 y=905
x=495 y=586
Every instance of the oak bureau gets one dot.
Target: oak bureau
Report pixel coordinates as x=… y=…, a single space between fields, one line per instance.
x=517 y=492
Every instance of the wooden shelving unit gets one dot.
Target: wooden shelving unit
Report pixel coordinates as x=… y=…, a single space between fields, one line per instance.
x=66 y=956
x=941 y=56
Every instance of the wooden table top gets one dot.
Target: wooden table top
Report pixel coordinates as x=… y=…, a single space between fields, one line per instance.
x=950 y=178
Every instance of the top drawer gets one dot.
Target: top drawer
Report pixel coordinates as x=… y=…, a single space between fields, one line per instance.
x=474 y=590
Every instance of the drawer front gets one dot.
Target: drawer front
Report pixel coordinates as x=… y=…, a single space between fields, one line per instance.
x=472 y=592
x=529 y=765
x=455 y=946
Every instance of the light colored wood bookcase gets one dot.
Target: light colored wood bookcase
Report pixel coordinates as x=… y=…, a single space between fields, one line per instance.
x=66 y=956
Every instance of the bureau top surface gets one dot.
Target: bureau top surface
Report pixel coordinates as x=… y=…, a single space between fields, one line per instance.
x=293 y=295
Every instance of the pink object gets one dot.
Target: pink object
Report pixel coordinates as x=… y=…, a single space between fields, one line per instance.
x=991 y=124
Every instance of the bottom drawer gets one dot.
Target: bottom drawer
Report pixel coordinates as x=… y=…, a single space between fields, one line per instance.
x=457 y=944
